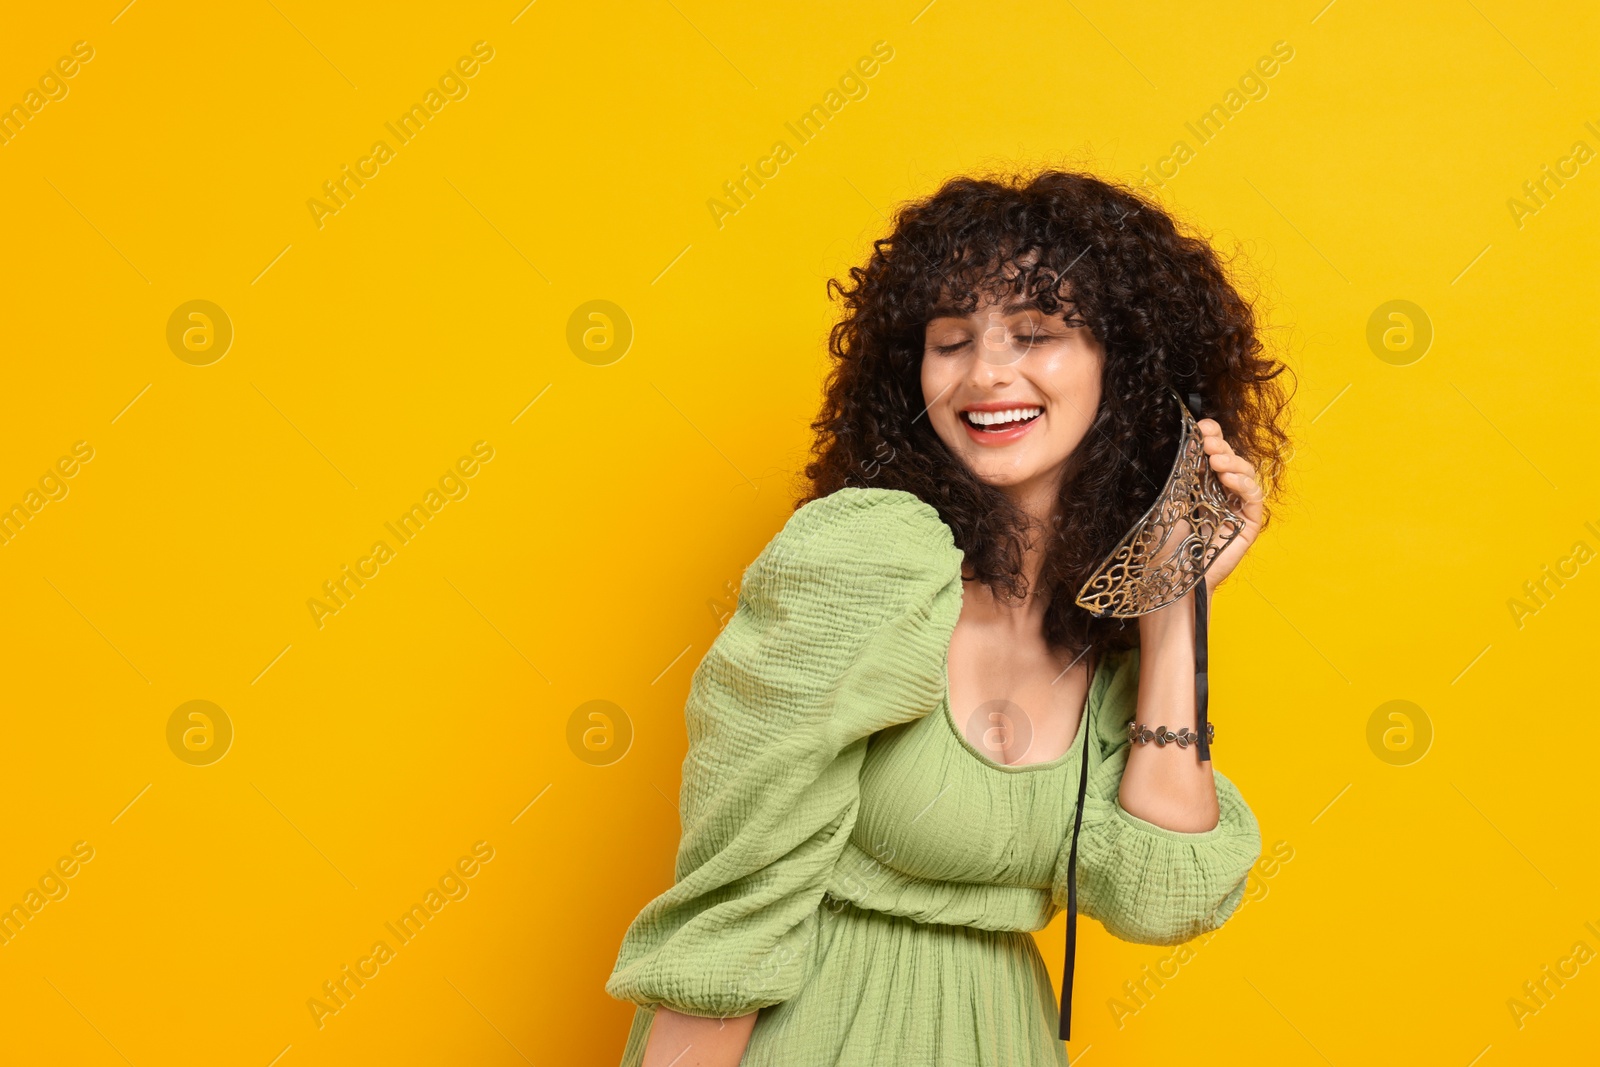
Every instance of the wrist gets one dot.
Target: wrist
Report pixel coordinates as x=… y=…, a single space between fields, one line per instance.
x=1171 y=623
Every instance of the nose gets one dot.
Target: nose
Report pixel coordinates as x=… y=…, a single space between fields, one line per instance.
x=993 y=372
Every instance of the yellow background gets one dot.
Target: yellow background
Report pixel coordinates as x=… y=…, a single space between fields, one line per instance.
x=594 y=557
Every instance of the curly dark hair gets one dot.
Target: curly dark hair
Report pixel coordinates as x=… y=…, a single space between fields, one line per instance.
x=1160 y=301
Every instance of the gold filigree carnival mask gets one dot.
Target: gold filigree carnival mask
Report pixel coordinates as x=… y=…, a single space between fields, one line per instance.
x=1169 y=550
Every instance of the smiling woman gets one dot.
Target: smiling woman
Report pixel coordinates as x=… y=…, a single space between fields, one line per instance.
x=910 y=747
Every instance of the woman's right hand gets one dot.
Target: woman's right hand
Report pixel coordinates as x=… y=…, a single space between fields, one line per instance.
x=678 y=1040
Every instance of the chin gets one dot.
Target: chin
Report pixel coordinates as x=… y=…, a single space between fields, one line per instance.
x=1003 y=479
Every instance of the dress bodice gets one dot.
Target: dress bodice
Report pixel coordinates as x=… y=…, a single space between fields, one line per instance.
x=945 y=831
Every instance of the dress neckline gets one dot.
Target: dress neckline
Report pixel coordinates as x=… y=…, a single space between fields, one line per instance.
x=948 y=715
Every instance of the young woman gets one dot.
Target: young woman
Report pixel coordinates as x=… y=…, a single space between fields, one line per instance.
x=887 y=740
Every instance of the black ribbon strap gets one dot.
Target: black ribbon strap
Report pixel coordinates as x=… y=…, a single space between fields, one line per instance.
x=1072 y=884
x=1202 y=684
x=1201 y=698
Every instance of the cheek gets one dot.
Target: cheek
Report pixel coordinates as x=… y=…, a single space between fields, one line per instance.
x=1072 y=383
x=938 y=378
x=1071 y=377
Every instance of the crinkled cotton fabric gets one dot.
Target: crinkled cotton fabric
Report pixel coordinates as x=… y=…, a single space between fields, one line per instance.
x=851 y=866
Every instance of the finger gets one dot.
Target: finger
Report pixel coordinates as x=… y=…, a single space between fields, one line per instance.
x=1245 y=484
x=1252 y=516
x=1231 y=461
x=1250 y=496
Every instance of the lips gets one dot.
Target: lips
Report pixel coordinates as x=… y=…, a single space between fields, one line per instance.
x=997 y=427
x=1019 y=421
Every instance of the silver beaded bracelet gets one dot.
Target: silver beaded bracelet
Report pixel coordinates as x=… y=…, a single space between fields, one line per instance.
x=1162 y=736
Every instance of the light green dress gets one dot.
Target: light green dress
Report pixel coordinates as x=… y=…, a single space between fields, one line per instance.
x=850 y=864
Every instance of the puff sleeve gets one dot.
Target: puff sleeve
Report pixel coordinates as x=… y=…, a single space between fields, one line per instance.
x=1143 y=882
x=837 y=634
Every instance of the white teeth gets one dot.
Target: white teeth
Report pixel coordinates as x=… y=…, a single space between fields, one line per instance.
x=994 y=418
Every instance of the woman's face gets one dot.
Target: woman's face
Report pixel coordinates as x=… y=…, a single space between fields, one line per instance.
x=1008 y=359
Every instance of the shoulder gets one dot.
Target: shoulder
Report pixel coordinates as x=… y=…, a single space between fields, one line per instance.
x=864 y=519
x=865 y=580
x=860 y=533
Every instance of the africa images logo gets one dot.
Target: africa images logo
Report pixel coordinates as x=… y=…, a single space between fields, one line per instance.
x=452 y=85
x=452 y=485
x=453 y=885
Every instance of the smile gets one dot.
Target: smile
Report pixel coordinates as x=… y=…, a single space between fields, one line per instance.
x=1002 y=426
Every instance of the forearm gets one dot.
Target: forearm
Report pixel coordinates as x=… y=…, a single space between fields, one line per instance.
x=691 y=1041
x=1167 y=785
